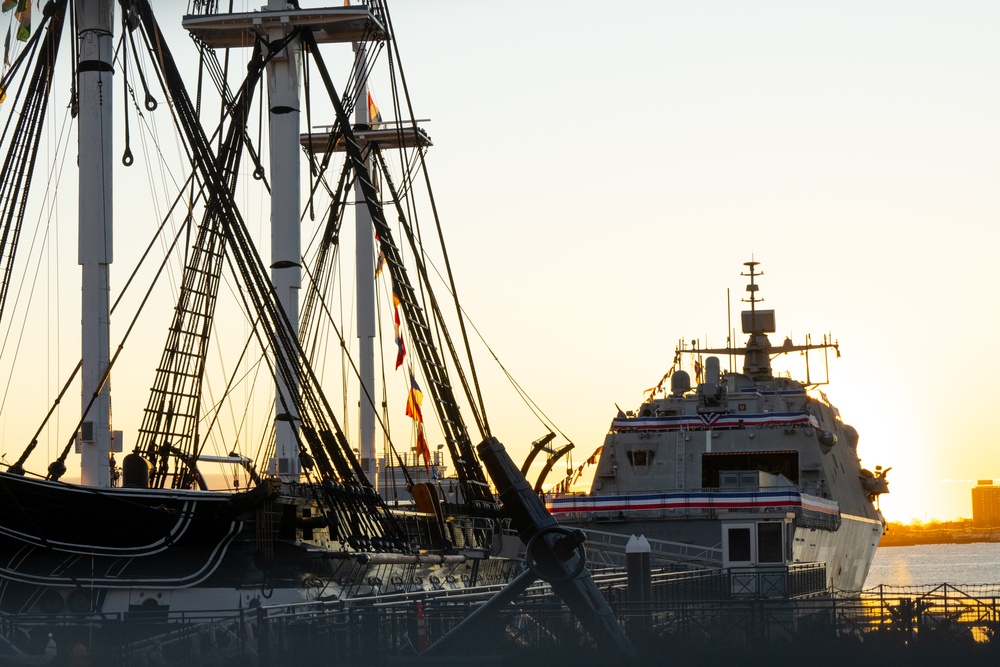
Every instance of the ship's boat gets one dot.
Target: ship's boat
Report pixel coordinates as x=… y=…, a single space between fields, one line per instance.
x=743 y=470
x=247 y=383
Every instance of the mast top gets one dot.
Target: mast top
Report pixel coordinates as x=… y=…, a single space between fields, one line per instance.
x=757 y=324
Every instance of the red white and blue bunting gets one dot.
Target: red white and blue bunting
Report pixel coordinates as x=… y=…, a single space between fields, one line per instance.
x=712 y=420
x=787 y=499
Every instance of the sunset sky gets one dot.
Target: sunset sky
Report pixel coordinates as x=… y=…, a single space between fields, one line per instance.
x=602 y=171
x=605 y=170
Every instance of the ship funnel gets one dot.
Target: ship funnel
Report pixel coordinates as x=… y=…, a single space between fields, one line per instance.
x=680 y=382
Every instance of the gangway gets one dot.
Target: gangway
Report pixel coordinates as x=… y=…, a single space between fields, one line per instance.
x=604 y=548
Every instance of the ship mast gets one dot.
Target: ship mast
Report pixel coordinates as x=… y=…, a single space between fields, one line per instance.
x=276 y=22
x=365 y=277
x=94 y=89
x=757 y=362
x=758 y=323
x=286 y=234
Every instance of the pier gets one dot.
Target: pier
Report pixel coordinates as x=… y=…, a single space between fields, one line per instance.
x=718 y=616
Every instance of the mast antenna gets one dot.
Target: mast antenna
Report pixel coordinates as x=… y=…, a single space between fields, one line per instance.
x=752 y=289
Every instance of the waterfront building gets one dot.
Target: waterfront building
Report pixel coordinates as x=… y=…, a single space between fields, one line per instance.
x=986 y=504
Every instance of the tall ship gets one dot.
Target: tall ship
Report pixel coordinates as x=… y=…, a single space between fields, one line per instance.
x=748 y=470
x=281 y=426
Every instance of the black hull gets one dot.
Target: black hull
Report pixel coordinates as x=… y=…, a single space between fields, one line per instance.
x=66 y=547
x=57 y=534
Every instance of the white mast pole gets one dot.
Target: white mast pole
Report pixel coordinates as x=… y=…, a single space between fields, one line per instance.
x=94 y=87
x=364 y=260
x=286 y=244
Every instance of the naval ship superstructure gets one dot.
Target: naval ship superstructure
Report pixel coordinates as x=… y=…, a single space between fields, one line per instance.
x=749 y=470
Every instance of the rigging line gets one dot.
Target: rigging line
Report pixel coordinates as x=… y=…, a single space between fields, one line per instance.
x=228 y=388
x=165 y=57
x=20 y=337
x=28 y=152
x=127 y=158
x=318 y=399
x=183 y=379
x=322 y=166
x=147 y=129
x=219 y=76
x=181 y=194
x=23 y=155
x=470 y=471
x=162 y=162
x=544 y=419
x=24 y=81
x=437 y=222
x=54 y=472
x=408 y=165
x=29 y=48
x=327 y=245
x=307 y=97
x=199 y=85
x=156 y=235
x=51 y=181
x=150 y=102
x=55 y=140
x=367 y=67
x=385 y=397
x=418 y=257
x=245 y=417
x=18 y=467
x=384 y=420
x=24 y=321
x=216 y=408
x=167 y=178
x=259 y=290
x=314 y=240
x=74 y=62
x=197 y=270
x=350 y=360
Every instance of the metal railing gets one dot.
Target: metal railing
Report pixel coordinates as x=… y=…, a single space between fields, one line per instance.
x=699 y=615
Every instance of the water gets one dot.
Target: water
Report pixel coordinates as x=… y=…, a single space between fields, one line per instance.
x=926 y=564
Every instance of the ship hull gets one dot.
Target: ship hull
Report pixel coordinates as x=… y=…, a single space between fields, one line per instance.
x=70 y=548
x=848 y=551
x=56 y=533
x=761 y=475
x=692 y=542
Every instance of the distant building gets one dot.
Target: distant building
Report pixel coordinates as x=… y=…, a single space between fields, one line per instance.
x=986 y=504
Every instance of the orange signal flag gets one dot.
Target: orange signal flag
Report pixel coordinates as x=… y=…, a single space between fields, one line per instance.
x=374 y=115
x=413 y=401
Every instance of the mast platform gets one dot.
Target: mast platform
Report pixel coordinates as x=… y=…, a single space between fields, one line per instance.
x=388 y=138
x=335 y=24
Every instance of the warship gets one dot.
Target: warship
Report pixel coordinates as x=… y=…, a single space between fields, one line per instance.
x=293 y=512
x=746 y=470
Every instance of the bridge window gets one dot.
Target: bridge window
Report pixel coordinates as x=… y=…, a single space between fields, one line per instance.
x=640 y=457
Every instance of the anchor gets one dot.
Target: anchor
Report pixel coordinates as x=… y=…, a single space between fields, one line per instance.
x=553 y=553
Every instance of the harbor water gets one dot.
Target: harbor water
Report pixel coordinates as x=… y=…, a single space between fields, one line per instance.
x=927 y=564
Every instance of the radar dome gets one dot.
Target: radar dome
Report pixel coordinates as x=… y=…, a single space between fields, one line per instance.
x=680 y=382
